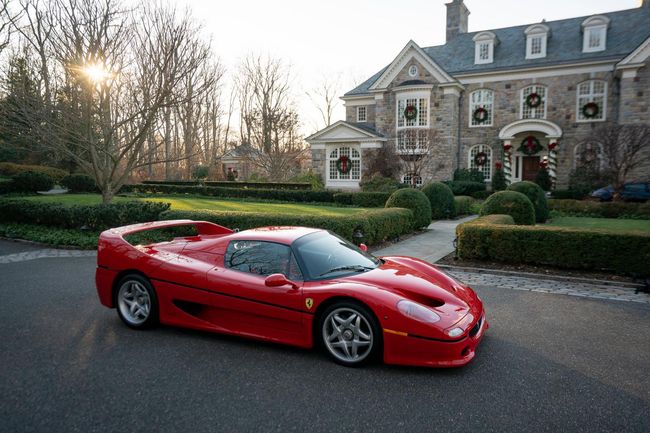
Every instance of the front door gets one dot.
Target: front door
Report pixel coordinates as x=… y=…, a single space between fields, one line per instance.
x=530 y=167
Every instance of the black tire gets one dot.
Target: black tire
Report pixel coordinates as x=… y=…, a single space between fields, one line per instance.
x=136 y=302
x=338 y=343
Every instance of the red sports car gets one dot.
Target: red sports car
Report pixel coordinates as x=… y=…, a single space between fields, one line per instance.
x=300 y=286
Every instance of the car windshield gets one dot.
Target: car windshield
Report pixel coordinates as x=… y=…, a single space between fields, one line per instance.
x=325 y=255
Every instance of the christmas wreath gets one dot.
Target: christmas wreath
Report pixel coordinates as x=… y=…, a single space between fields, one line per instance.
x=410 y=112
x=480 y=115
x=343 y=165
x=480 y=158
x=590 y=110
x=507 y=148
x=533 y=100
x=530 y=146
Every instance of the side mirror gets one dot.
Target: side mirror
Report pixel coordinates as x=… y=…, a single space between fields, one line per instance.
x=363 y=247
x=279 y=280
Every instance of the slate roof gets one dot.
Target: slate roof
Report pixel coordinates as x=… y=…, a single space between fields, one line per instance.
x=366 y=127
x=627 y=30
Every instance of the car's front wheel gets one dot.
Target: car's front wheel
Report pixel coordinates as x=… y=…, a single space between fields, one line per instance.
x=350 y=333
x=136 y=302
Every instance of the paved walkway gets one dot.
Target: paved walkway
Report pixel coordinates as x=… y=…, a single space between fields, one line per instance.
x=430 y=246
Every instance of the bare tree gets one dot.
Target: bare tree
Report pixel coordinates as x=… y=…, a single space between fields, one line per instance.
x=325 y=98
x=625 y=149
x=269 y=123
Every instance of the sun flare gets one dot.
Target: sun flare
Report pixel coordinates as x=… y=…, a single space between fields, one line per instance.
x=96 y=73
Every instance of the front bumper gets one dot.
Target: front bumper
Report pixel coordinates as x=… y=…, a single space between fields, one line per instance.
x=403 y=349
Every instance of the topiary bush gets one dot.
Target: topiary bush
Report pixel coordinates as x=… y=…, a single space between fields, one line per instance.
x=32 y=181
x=414 y=200
x=441 y=199
x=512 y=203
x=536 y=195
x=380 y=184
x=362 y=199
x=465 y=187
x=79 y=183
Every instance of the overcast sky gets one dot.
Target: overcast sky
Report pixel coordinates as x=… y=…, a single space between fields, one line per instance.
x=354 y=39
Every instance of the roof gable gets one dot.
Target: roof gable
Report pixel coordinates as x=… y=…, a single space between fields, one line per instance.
x=343 y=131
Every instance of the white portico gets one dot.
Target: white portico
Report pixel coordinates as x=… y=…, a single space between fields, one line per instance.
x=341 y=147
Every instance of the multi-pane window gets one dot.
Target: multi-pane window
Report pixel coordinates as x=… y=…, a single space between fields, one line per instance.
x=480 y=158
x=484 y=52
x=409 y=178
x=361 y=114
x=588 y=155
x=533 y=102
x=594 y=39
x=592 y=101
x=344 y=163
x=481 y=104
x=536 y=45
x=422 y=112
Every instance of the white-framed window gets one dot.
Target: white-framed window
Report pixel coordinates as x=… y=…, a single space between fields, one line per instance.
x=484 y=43
x=588 y=154
x=536 y=40
x=534 y=112
x=408 y=178
x=413 y=71
x=412 y=134
x=353 y=159
x=362 y=114
x=591 y=98
x=482 y=98
x=594 y=33
x=479 y=157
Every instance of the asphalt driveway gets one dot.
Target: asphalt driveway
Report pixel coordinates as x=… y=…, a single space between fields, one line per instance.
x=549 y=363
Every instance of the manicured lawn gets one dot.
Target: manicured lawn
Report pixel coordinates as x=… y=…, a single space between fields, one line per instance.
x=197 y=202
x=601 y=223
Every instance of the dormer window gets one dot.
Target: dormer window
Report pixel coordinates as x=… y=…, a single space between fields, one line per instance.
x=484 y=47
x=362 y=114
x=536 y=38
x=594 y=30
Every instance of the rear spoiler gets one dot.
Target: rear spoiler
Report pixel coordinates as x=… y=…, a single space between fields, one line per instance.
x=202 y=227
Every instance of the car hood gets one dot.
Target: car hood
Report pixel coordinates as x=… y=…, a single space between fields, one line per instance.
x=421 y=282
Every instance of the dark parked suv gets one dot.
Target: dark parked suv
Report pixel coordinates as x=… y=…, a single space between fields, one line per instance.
x=639 y=191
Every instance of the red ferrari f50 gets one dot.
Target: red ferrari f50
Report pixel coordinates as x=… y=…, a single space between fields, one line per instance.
x=293 y=285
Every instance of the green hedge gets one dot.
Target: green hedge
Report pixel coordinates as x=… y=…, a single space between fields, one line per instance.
x=567 y=194
x=414 y=200
x=562 y=247
x=536 y=195
x=465 y=187
x=79 y=183
x=594 y=209
x=32 y=181
x=51 y=236
x=463 y=205
x=98 y=217
x=231 y=184
x=441 y=199
x=362 y=199
x=12 y=169
x=512 y=203
x=268 y=194
x=376 y=225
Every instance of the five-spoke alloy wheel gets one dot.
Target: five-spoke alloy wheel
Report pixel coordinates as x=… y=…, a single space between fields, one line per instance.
x=136 y=302
x=350 y=333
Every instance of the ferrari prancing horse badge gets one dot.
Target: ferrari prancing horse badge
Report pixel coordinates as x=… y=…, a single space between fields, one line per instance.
x=309 y=302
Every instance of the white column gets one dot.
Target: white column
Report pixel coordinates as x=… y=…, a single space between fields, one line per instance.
x=552 y=160
x=507 y=161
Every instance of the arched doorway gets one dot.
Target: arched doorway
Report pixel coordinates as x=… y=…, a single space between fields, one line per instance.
x=528 y=144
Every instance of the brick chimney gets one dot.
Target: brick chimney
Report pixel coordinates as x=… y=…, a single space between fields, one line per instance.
x=457 y=14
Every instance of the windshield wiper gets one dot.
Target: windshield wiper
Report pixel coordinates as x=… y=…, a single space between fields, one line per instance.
x=356 y=268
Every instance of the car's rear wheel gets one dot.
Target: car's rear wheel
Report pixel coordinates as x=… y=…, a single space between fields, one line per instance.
x=136 y=302
x=350 y=333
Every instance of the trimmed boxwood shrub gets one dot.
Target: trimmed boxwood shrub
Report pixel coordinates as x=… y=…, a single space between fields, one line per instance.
x=376 y=225
x=362 y=199
x=302 y=196
x=97 y=217
x=32 y=181
x=536 y=195
x=414 y=200
x=512 y=203
x=233 y=184
x=481 y=195
x=463 y=204
x=12 y=169
x=380 y=184
x=79 y=183
x=441 y=199
x=567 y=194
x=594 y=209
x=465 y=187
x=563 y=247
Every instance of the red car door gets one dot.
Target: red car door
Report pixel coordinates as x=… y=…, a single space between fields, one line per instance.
x=245 y=305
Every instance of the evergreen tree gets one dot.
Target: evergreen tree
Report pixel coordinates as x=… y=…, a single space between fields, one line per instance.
x=499 y=178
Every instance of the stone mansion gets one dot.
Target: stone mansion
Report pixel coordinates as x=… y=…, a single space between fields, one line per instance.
x=524 y=96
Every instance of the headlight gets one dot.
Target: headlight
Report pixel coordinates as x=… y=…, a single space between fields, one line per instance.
x=455 y=332
x=417 y=311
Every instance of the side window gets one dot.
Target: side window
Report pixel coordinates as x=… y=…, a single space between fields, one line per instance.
x=262 y=258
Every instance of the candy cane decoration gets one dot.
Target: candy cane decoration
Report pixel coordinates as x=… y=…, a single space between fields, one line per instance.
x=552 y=162
x=507 y=161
